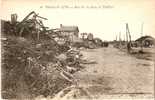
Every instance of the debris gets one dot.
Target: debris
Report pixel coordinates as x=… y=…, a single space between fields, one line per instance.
x=38 y=45
x=30 y=53
x=62 y=57
x=67 y=76
x=105 y=44
x=71 y=69
x=3 y=39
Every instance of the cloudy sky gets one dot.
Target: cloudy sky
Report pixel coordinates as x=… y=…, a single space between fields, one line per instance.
x=105 y=19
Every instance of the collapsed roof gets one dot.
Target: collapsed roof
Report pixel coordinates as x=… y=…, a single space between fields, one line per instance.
x=144 y=38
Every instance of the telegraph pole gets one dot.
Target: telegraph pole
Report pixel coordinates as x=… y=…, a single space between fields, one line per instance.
x=120 y=40
x=128 y=35
x=141 y=36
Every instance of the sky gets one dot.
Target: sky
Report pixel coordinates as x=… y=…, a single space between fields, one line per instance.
x=106 y=20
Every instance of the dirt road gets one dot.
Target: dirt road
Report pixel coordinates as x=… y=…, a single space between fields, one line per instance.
x=113 y=74
x=116 y=73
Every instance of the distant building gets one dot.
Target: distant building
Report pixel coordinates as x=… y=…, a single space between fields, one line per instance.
x=70 y=32
x=88 y=36
x=84 y=36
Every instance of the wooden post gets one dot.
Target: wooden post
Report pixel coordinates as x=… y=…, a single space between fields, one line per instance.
x=124 y=37
x=128 y=35
x=141 y=36
x=120 y=39
x=116 y=37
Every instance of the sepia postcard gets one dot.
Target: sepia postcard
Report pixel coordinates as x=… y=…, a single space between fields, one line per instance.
x=77 y=49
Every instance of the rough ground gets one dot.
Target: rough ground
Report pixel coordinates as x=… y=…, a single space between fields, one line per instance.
x=115 y=74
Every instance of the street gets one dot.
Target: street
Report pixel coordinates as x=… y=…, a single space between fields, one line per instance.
x=116 y=73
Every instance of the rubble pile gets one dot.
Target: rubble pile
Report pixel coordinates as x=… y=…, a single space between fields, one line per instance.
x=34 y=64
x=91 y=44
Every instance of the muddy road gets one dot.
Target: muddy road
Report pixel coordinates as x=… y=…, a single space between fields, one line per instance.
x=116 y=73
x=112 y=73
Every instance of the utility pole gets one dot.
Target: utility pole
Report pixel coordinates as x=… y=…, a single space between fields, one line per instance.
x=128 y=32
x=124 y=37
x=116 y=37
x=141 y=36
x=119 y=36
x=120 y=40
x=128 y=35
